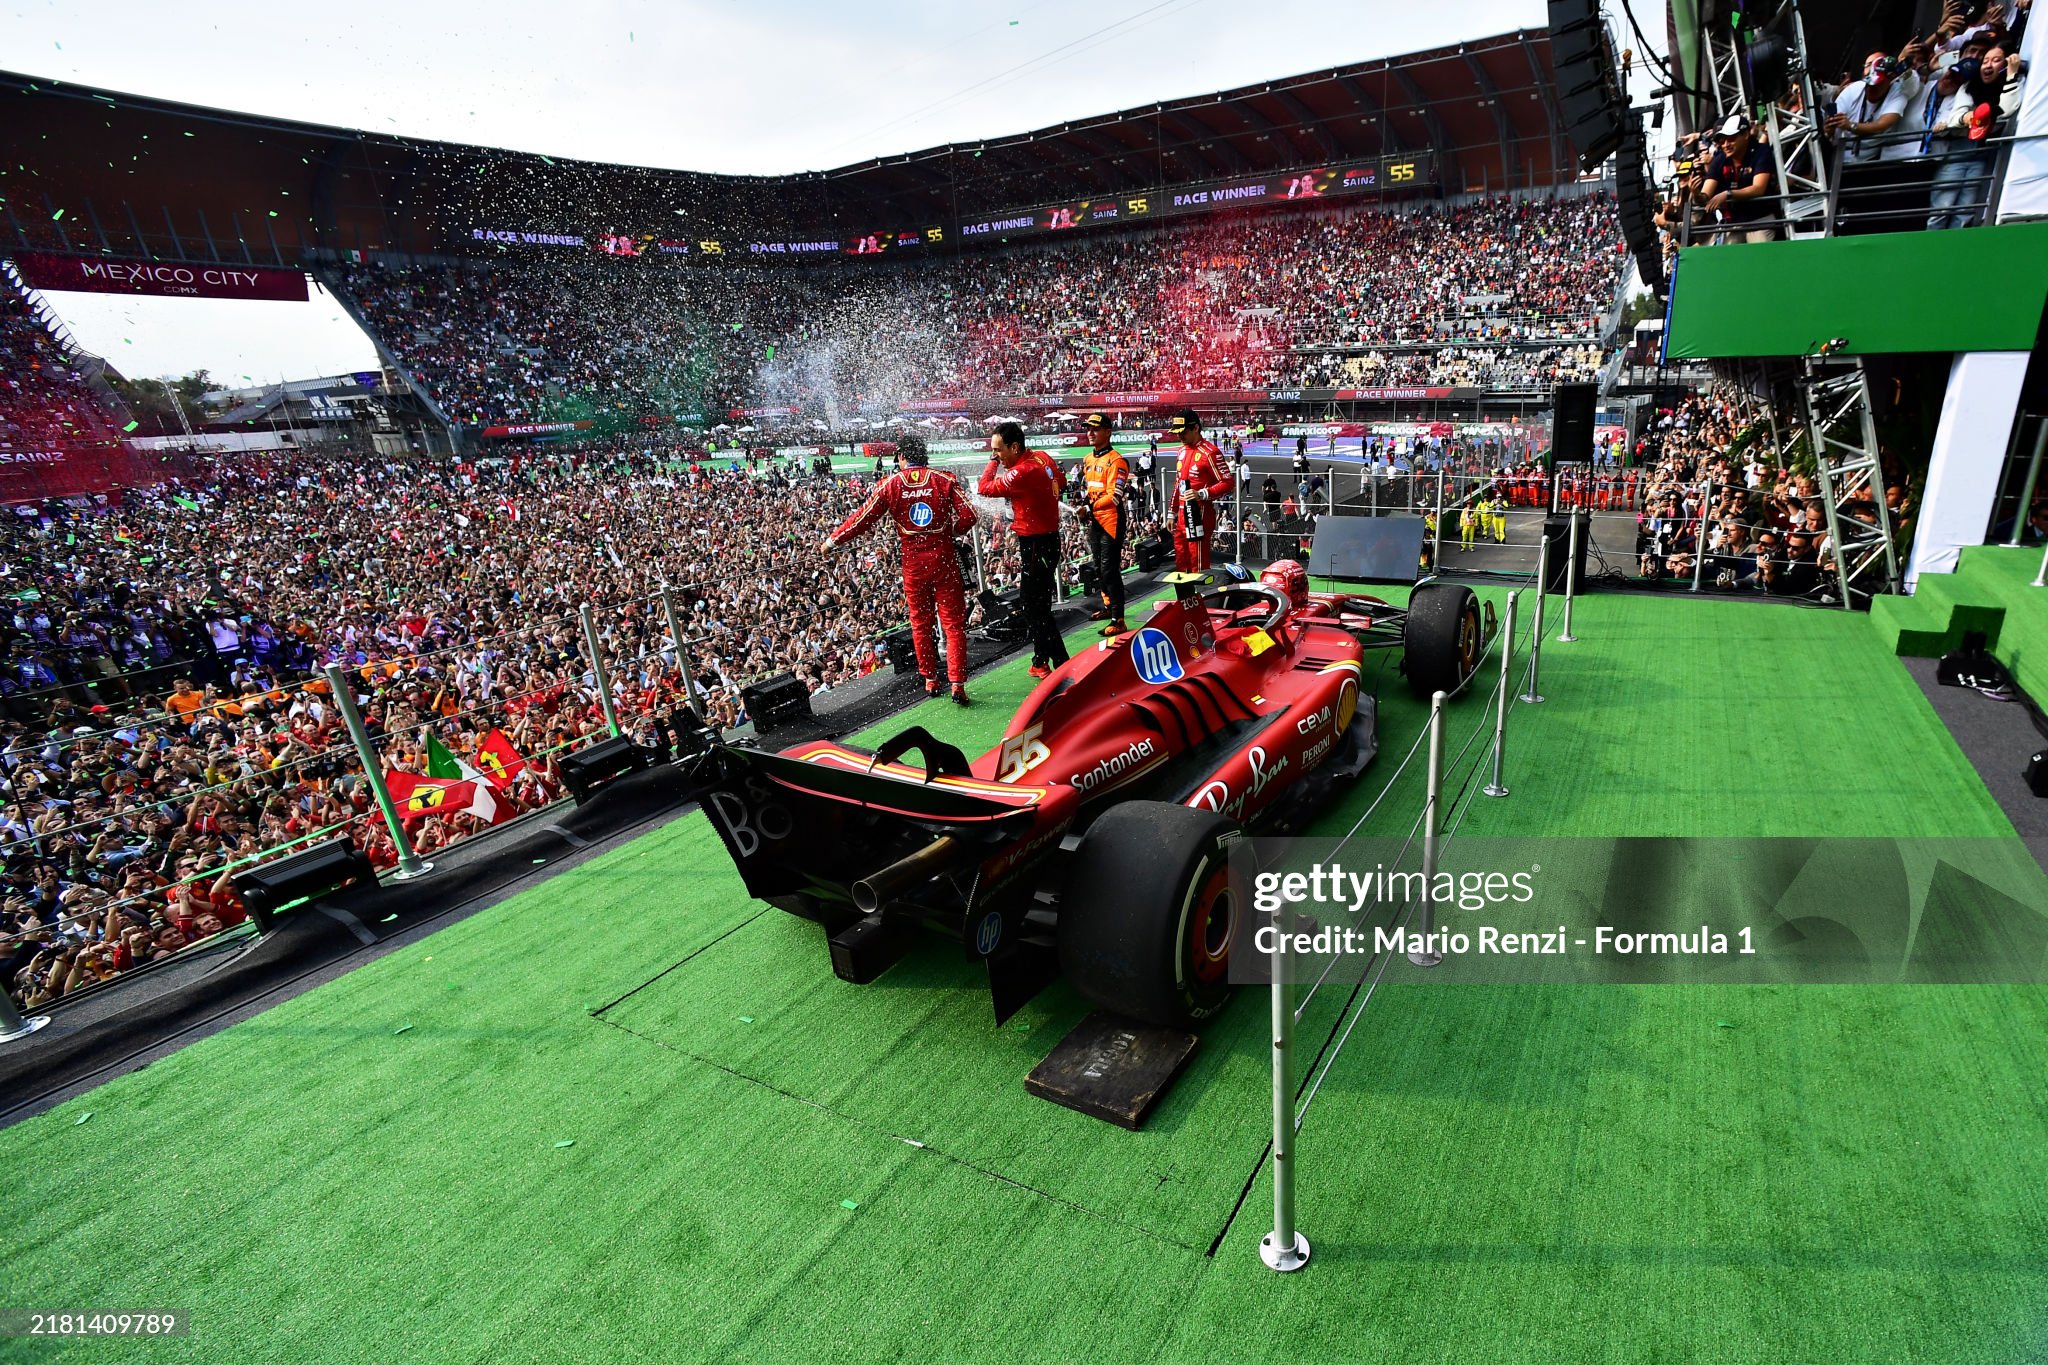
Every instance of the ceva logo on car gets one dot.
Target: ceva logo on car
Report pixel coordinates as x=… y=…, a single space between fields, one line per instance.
x=1153 y=654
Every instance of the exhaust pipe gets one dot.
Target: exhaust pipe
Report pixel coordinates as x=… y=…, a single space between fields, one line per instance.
x=872 y=890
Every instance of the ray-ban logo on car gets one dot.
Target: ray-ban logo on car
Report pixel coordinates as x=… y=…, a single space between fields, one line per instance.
x=1154 y=655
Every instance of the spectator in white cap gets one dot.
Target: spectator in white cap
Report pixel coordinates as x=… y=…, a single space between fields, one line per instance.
x=1741 y=183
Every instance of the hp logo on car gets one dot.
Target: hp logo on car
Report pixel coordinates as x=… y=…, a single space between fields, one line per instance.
x=920 y=514
x=988 y=933
x=1152 y=652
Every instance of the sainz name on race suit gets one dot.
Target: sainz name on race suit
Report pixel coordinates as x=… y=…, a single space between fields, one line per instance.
x=928 y=510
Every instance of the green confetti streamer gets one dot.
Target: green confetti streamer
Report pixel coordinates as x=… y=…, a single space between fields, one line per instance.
x=565 y=1142
x=402 y=1028
x=1722 y=1023
x=57 y=217
x=389 y=918
x=131 y=426
x=81 y=1118
x=849 y=1204
x=746 y=1018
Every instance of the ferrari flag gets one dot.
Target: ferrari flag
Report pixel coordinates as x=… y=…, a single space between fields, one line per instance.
x=499 y=760
x=418 y=797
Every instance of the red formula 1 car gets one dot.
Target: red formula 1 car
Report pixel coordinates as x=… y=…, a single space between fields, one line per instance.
x=1091 y=842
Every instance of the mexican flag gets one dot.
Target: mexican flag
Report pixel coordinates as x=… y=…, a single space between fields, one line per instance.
x=501 y=762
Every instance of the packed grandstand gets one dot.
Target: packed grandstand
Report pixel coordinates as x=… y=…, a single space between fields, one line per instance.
x=1503 y=292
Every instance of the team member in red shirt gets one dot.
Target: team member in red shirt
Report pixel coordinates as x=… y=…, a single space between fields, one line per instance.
x=928 y=510
x=1032 y=480
x=1199 y=479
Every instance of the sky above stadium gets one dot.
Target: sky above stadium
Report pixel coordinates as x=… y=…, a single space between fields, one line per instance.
x=744 y=88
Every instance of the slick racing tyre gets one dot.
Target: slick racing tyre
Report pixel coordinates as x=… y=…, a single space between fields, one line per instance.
x=1148 y=912
x=1442 y=639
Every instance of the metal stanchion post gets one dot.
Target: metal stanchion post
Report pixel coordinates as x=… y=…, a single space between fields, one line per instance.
x=13 y=1026
x=1500 y=716
x=1699 y=539
x=1284 y=1248
x=1237 y=501
x=1333 y=490
x=1436 y=551
x=1536 y=631
x=409 y=864
x=597 y=670
x=675 y=634
x=1571 y=579
x=2019 y=516
x=980 y=565
x=1432 y=817
x=2041 y=578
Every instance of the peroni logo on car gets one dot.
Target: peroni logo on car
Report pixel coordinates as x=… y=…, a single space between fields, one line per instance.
x=1153 y=654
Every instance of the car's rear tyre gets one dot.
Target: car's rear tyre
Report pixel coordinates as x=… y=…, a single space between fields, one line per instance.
x=1442 y=639
x=1148 y=912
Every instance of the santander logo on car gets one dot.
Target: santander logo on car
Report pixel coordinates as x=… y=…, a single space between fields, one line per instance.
x=1153 y=655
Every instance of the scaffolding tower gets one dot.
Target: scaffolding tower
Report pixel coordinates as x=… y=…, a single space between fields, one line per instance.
x=1801 y=184
x=1840 y=426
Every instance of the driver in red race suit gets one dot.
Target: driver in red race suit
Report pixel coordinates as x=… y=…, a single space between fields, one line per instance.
x=928 y=511
x=1199 y=479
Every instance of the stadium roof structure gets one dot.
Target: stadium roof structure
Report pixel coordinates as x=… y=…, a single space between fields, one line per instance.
x=1485 y=109
x=99 y=172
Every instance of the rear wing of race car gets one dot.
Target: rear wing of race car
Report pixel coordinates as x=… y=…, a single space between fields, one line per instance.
x=842 y=829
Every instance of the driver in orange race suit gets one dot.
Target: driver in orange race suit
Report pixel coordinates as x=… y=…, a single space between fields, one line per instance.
x=928 y=510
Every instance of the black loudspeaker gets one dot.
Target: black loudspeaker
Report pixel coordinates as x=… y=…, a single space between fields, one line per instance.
x=776 y=701
x=1154 y=551
x=1638 y=206
x=311 y=873
x=585 y=770
x=1091 y=581
x=1557 y=534
x=902 y=650
x=1588 y=80
x=1571 y=422
x=1002 y=618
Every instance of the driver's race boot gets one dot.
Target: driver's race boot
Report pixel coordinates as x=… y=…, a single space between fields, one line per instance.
x=1115 y=628
x=960 y=695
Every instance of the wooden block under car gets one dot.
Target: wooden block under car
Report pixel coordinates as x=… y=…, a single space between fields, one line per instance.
x=1111 y=1068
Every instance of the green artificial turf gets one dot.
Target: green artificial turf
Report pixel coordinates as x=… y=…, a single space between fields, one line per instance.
x=1504 y=1173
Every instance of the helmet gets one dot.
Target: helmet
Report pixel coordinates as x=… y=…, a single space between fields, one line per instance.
x=1289 y=577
